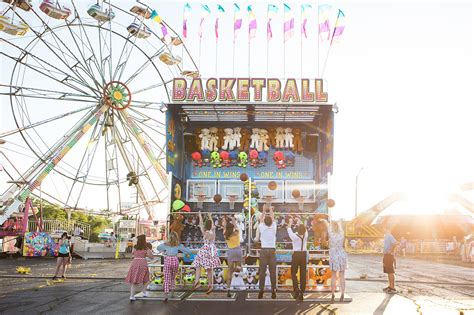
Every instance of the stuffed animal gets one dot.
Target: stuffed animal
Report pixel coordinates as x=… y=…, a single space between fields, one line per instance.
x=197 y=139
x=220 y=136
x=262 y=158
x=240 y=219
x=271 y=137
x=252 y=278
x=255 y=138
x=197 y=159
x=243 y=159
x=288 y=138
x=320 y=231
x=237 y=282
x=253 y=154
x=214 y=139
x=219 y=280
x=225 y=158
x=206 y=157
x=279 y=138
x=279 y=159
x=215 y=159
x=244 y=140
x=263 y=140
x=233 y=155
x=237 y=137
x=205 y=138
x=297 y=141
x=228 y=139
x=290 y=158
x=177 y=225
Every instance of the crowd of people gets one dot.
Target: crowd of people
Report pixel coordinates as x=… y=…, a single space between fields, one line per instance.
x=208 y=258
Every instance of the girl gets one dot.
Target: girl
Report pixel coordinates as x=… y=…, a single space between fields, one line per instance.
x=170 y=249
x=64 y=255
x=234 y=252
x=138 y=272
x=207 y=257
x=337 y=258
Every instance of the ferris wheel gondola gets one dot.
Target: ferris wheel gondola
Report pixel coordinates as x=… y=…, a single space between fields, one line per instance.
x=86 y=97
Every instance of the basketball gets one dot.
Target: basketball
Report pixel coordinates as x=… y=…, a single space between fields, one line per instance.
x=331 y=203
x=295 y=193
x=244 y=177
x=217 y=198
x=272 y=185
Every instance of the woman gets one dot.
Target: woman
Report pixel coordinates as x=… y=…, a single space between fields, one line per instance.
x=138 y=273
x=170 y=249
x=337 y=258
x=234 y=252
x=299 y=257
x=207 y=257
x=64 y=255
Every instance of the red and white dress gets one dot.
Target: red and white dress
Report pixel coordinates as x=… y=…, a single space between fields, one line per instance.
x=138 y=272
x=207 y=256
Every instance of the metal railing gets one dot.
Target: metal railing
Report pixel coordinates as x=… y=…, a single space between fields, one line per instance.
x=59 y=226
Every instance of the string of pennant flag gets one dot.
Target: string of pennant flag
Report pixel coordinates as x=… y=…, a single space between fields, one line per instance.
x=325 y=31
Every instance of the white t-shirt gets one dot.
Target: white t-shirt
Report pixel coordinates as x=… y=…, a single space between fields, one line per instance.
x=268 y=235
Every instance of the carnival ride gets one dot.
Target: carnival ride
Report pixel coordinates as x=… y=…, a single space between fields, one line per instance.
x=91 y=120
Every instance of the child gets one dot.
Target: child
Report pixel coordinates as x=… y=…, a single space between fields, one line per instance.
x=207 y=257
x=170 y=249
x=138 y=272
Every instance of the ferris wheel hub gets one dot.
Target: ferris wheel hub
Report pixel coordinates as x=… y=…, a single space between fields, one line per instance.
x=117 y=95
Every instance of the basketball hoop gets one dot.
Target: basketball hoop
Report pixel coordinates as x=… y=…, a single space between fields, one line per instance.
x=268 y=199
x=200 y=198
x=232 y=200
x=300 y=201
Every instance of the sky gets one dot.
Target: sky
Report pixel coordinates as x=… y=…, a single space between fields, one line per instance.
x=401 y=75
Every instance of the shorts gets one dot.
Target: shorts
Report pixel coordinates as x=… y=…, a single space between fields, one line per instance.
x=388 y=263
x=63 y=255
x=234 y=254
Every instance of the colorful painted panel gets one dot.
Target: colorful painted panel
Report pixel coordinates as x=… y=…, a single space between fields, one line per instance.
x=39 y=244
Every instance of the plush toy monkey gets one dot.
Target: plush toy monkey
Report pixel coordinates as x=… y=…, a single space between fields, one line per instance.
x=214 y=139
x=245 y=140
x=271 y=137
x=297 y=141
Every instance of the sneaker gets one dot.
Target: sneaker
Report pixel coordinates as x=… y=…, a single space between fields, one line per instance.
x=132 y=298
x=391 y=291
x=274 y=294
x=260 y=295
x=145 y=293
x=386 y=289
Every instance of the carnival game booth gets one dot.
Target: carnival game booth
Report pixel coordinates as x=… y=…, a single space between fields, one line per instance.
x=230 y=152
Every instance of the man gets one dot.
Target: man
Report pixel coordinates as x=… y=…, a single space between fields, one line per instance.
x=267 y=229
x=299 y=257
x=389 y=244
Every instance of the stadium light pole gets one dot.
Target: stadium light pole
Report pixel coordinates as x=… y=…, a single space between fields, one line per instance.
x=356 y=189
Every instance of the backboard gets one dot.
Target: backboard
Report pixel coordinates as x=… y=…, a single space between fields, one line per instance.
x=307 y=190
x=263 y=190
x=231 y=187
x=196 y=187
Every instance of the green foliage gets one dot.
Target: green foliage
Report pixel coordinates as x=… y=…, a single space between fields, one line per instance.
x=55 y=212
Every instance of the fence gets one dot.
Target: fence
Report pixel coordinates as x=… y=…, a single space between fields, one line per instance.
x=60 y=226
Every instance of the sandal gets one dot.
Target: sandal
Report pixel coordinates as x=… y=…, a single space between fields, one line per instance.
x=209 y=290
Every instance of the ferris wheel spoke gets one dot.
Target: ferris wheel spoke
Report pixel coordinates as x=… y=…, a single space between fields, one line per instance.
x=145 y=65
x=145 y=117
x=141 y=130
x=153 y=86
x=63 y=82
x=48 y=30
x=46 y=92
x=124 y=57
x=94 y=138
x=42 y=122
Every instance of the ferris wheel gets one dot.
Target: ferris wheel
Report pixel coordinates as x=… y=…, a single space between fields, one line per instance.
x=87 y=87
